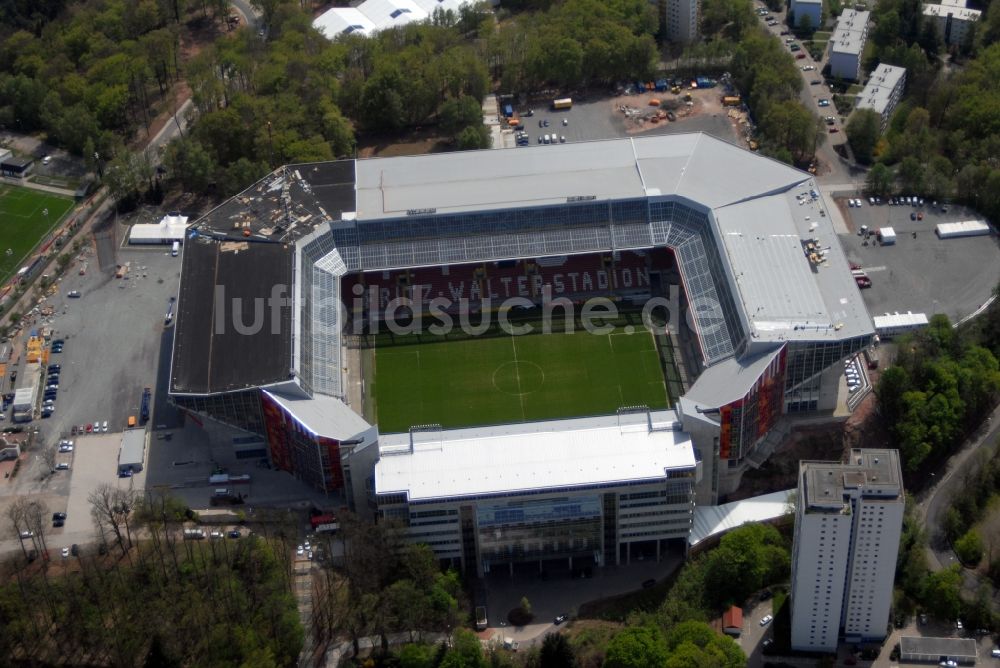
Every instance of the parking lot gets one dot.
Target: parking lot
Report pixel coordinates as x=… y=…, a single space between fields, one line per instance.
x=113 y=333
x=600 y=118
x=920 y=272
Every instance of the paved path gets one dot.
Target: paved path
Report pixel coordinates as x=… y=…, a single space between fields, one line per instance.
x=936 y=500
x=40 y=186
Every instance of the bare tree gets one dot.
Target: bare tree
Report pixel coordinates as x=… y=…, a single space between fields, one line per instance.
x=110 y=507
x=17 y=516
x=48 y=455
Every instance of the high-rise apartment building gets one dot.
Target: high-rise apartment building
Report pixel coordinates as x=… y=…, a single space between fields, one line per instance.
x=848 y=520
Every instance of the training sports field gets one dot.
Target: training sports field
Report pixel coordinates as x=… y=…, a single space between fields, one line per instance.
x=507 y=379
x=23 y=223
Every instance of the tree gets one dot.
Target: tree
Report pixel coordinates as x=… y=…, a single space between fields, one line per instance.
x=556 y=652
x=694 y=643
x=879 y=180
x=465 y=651
x=474 y=137
x=942 y=592
x=636 y=647
x=969 y=548
x=189 y=163
x=456 y=114
x=863 y=130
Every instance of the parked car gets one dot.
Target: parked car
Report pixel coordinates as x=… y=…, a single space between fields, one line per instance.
x=58 y=516
x=766 y=619
x=62 y=466
x=90 y=428
x=824 y=102
x=559 y=620
x=73 y=294
x=104 y=426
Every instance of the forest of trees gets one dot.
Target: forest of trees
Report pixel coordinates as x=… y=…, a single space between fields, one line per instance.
x=944 y=136
x=162 y=602
x=941 y=385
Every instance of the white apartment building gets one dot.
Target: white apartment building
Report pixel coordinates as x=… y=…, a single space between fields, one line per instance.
x=680 y=19
x=953 y=19
x=847 y=46
x=883 y=92
x=813 y=9
x=848 y=522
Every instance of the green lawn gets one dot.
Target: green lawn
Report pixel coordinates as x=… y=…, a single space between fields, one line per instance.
x=515 y=379
x=23 y=223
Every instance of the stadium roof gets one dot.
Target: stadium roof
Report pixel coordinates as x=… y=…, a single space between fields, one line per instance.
x=322 y=415
x=729 y=380
x=740 y=224
x=687 y=165
x=574 y=453
x=784 y=294
x=210 y=354
x=713 y=520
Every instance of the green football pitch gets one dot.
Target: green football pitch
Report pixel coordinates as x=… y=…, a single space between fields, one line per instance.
x=23 y=222
x=515 y=379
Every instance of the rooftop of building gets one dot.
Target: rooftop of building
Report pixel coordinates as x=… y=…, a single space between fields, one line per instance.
x=714 y=520
x=955 y=648
x=878 y=91
x=133 y=446
x=375 y=15
x=523 y=457
x=216 y=348
x=956 y=11
x=869 y=472
x=851 y=31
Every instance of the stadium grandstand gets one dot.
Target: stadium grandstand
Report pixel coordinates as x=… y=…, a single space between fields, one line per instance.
x=761 y=306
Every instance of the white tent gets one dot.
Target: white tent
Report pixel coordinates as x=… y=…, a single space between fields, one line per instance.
x=167 y=231
x=887 y=235
x=343 y=21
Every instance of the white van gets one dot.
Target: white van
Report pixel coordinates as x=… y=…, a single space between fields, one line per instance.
x=175 y=249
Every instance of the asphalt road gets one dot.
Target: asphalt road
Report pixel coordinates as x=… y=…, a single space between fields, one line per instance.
x=937 y=499
x=837 y=169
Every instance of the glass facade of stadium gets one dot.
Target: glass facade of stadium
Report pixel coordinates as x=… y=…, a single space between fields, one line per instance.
x=557 y=529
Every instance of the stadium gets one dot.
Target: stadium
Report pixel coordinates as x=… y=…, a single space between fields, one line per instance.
x=521 y=357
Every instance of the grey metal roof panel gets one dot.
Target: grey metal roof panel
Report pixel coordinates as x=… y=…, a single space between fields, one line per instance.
x=210 y=355
x=719 y=173
x=500 y=179
x=784 y=295
x=729 y=380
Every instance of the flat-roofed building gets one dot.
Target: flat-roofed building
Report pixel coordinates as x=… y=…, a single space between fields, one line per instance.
x=952 y=19
x=883 y=92
x=847 y=46
x=808 y=13
x=848 y=521
x=585 y=491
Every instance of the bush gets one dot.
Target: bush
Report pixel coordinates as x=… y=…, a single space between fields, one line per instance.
x=969 y=548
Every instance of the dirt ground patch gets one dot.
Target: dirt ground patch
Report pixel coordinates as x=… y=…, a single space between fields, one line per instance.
x=642 y=116
x=780 y=471
x=418 y=142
